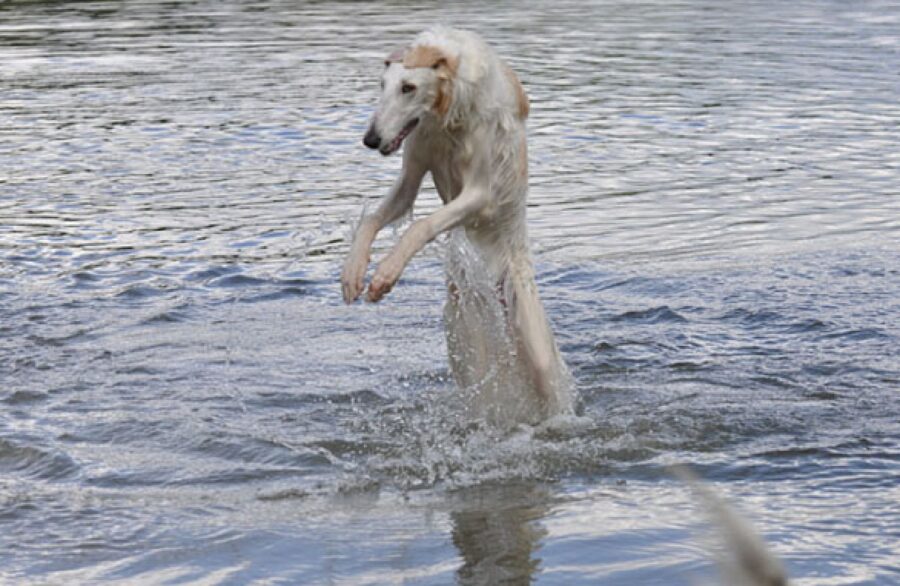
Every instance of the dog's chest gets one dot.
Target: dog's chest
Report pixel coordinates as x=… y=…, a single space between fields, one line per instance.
x=447 y=175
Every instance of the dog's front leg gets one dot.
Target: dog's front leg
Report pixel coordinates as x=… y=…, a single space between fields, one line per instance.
x=475 y=195
x=469 y=202
x=357 y=261
x=399 y=200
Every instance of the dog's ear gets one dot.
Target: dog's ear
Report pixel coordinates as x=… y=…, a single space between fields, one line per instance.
x=446 y=63
x=430 y=56
x=446 y=66
x=446 y=72
x=444 y=98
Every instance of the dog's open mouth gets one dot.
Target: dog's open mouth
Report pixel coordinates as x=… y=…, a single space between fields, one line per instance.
x=395 y=144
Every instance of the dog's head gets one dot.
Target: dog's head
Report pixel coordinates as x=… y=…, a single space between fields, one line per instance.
x=417 y=83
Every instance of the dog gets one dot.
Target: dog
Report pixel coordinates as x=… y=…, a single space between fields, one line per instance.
x=461 y=113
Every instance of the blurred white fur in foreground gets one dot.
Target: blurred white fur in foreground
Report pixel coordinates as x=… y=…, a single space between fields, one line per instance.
x=746 y=559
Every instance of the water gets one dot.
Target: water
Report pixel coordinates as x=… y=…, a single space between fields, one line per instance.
x=715 y=214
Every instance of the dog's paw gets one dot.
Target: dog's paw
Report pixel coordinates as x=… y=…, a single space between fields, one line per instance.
x=378 y=289
x=353 y=275
x=384 y=279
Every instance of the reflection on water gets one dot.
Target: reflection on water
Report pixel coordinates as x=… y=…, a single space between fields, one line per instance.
x=498 y=535
x=185 y=398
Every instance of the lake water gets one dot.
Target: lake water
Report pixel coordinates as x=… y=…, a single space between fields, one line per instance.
x=715 y=215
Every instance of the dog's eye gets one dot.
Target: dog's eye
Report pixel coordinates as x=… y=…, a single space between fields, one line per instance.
x=407 y=88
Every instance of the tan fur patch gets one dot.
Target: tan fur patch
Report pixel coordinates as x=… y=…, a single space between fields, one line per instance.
x=521 y=97
x=443 y=98
x=429 y=56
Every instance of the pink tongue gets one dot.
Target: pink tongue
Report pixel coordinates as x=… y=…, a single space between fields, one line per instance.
x=395 y=144
x=399 y=139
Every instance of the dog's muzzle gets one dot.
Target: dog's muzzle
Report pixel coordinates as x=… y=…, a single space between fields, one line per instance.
x=372 y=139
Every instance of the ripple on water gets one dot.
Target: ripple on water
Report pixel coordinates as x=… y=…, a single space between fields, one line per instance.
x=653 y=315
x=28 y=460
x=24 y=397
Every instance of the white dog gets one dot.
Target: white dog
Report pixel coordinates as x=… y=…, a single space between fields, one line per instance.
x=462 y=112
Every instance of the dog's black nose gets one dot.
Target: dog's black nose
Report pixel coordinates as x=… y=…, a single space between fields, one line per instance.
x=372 y=139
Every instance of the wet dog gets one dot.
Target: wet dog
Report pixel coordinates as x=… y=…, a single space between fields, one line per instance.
x=460 y=111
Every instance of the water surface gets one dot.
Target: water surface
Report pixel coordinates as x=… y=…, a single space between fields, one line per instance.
x=715 y=215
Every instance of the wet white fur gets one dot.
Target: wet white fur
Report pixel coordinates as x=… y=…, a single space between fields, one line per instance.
x=476 y=156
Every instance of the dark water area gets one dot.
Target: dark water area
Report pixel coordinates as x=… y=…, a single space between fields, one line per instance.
x=715 y=215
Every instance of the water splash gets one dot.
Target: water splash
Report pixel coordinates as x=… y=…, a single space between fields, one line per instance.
x=484 y=353
x=485 y=424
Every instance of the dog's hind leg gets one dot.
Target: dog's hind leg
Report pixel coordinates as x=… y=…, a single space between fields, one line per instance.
x=454 y=325
x=483 y=358
x=467 y=350
x=536 y=345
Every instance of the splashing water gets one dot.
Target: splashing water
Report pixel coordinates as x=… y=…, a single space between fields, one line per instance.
x=489 y=425
x=483 y=351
